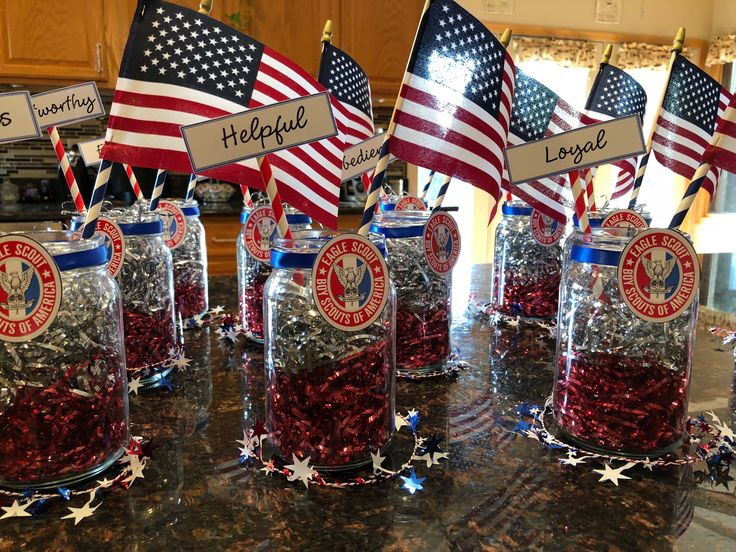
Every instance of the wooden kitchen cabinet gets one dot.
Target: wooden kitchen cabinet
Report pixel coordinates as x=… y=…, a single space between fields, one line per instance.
x=221 y=236
x=42 y=39
x=379 y=35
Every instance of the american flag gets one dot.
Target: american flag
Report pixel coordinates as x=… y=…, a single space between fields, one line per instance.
x=180 y=68
x=348 y=83
x=617 y=94
x=452 y=114
x=722 y=150
x=539 y=112
x=687 y=119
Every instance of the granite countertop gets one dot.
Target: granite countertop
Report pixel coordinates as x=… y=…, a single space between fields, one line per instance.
x=499 y=491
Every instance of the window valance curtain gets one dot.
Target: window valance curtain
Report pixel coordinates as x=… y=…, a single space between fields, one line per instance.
x=568 y=53
x=722 y=50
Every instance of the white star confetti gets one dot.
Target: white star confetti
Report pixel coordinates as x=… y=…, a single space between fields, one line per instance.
x=613 y=475
x=301 y=470
x=16 y=510
x=78 y=514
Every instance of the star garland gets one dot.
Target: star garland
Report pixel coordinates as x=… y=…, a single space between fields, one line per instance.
x=300 y=471
x=486 y=313
x=449 y=369
x=158 y=373
x=32 y=502
x=203 y=320
x=712 y=442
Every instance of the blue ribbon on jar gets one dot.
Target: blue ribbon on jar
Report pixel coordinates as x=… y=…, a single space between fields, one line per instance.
x=592 y=255
x=516 y=211
x=304 y=260
x=81 y=259
x=294 y=218
x=389 y=232
x=128 y=229
x=192 y=211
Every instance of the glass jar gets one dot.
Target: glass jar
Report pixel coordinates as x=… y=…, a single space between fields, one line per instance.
x=190 y=265
x=526 y=274
x=622 y=383
x=146 y=281
x=329 y=392
x=252 y=274
x=422 y=296
x=64 y=394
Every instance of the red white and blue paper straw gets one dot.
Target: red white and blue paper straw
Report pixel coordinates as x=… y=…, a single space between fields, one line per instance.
x=589 y=189
x=190 y=187
x=376 y=184
x=158 y=188
x=98 y=194
x=133 y=181
x=247 y=200
x=427 y=185
x=441 y=193
x=273 y=194
x=66 y=168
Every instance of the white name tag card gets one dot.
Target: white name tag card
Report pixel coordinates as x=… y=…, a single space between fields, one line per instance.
x=68 y=105
x=362 y=157
x=583 y=147
x=259 y=131
x=90 y=151
x=16 y=117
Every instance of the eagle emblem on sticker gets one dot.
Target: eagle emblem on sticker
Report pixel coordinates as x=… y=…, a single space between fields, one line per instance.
x=350 y=283
x=30 y=288
x=441 y=243
x=658 y=274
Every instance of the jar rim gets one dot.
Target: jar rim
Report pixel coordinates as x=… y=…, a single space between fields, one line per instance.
x=400 y=224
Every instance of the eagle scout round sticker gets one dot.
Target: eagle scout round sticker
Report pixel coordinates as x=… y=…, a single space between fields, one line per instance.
x=410 y=203
x=441 y=243
x=623 y=218
x=545 y=230
x=115 y=243
x=259 y=233
x=30 y=289
x=350 y=283
x=175 y=224
x=658 y=274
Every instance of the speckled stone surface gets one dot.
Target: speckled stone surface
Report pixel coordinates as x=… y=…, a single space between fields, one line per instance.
x=498 y=491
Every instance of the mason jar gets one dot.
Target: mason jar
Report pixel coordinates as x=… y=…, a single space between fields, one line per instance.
x=253 y=273
x=422 y=296
x=329 y=392
x=63 y=393
x=622 y=382
x=190 y=265
x=526 y=274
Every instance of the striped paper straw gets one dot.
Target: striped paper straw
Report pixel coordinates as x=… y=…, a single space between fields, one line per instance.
x=95 y=203
x=66 y=168
x=133 y=181
x=190 y=187
x=441 y=193
x=578 y=194
x=639 y=178
x=427 y=184
x=273 y=195
x=376 y=184
x=689 y=197
x=247 y=200
x=158 y=188
x=589 y=189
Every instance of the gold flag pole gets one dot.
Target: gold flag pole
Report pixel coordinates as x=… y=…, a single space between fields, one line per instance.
x=677 y=45
x=205 y=7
